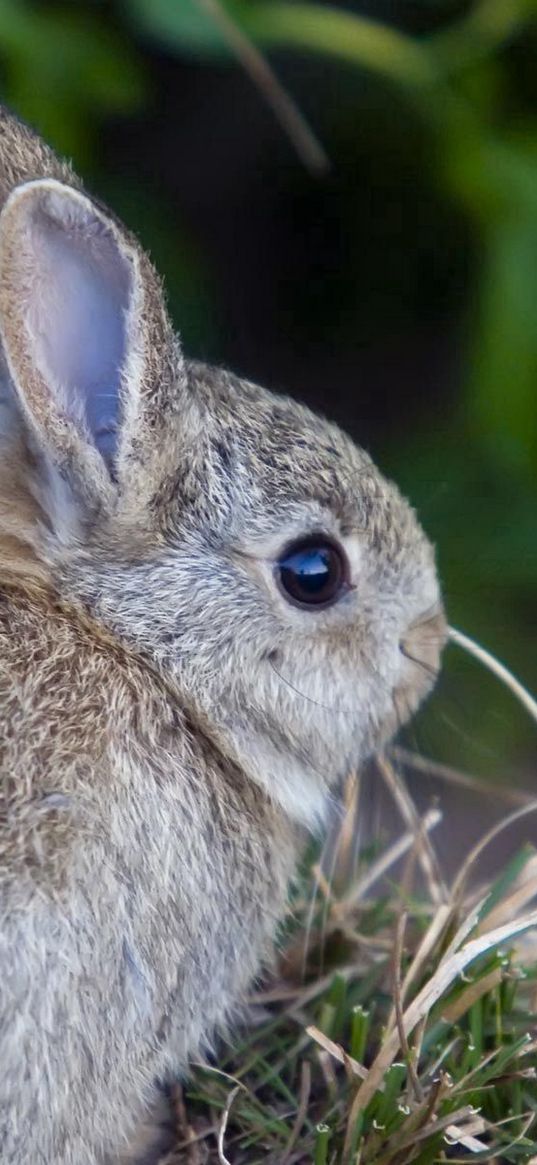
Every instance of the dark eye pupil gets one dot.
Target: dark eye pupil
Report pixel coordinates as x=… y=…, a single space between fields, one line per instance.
x=312 y=573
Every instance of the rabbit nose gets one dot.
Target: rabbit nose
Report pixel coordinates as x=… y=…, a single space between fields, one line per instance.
x=423 y=642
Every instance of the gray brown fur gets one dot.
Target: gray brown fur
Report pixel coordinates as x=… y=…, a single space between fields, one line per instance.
x=170 y=726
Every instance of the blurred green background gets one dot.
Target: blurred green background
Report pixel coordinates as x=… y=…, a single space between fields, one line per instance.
x=396 y=290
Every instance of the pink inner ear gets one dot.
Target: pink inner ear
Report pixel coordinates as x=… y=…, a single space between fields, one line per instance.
x=75 y=312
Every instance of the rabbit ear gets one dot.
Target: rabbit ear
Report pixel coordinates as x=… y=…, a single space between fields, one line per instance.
x=85 y=333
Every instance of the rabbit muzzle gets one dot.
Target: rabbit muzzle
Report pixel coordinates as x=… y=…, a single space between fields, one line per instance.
x=421 y=649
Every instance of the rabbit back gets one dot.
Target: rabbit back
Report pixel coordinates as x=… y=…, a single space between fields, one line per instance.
x=140 y=882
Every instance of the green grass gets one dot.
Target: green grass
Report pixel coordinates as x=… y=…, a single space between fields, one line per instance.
x=400 y=1025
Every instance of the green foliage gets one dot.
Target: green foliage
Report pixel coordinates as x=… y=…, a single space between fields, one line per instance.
x=187 y=26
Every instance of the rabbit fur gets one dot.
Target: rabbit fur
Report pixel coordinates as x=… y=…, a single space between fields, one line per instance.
x=171 y=726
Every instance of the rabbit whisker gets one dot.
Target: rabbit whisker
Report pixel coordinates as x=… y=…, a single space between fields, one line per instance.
x=310 y=699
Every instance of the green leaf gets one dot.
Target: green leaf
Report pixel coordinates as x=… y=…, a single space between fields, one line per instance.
x=344 y=35
x=183 y=25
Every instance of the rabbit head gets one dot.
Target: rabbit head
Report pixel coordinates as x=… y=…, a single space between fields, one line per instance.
x=243 y=545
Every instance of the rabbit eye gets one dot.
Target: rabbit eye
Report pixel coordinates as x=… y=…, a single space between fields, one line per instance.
x=313 y=572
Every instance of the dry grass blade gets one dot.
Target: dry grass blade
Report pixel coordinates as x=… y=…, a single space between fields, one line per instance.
x=307 y=145
x=346 y=842
x=466 y=1138
x=453 y=1011
x=530 y=1120
x=321 y=882
x=510 y=907
x=336 y=1051
x=211 y=1068
x=340 y=859
x=468 y=924
x=305 y=1088
x=451 y=967
x=451 y=776
x=186 y=1136
x=428 y=943
x=398 y=1005
x=223 y=1125
x=475 y=853
x=298 y=996
x=445 y=975
x=498 y=669
x=425 y=852
x=446 y=1123
x=383 y=863
x=530 y=1048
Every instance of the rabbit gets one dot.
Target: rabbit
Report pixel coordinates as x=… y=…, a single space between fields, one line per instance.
x=212 y=606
